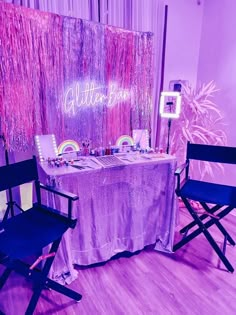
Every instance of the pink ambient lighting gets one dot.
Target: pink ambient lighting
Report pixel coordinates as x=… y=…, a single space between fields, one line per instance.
x=171 y=110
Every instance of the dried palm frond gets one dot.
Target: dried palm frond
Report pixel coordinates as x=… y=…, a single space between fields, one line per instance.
x=201 y=121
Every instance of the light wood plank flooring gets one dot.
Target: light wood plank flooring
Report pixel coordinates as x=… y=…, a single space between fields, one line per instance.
x=189 y=282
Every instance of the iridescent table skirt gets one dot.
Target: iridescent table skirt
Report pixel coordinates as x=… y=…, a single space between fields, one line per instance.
x=121 y=208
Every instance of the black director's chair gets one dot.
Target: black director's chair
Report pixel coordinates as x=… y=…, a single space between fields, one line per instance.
x=27 y=233
x=222 y=198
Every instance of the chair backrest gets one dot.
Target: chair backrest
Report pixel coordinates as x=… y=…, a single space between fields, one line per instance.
x=211 y=153
x=18 y=173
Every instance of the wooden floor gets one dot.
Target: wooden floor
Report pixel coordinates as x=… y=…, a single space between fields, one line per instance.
x=188 y=282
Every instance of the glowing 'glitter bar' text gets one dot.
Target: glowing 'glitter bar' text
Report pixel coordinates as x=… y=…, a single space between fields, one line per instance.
x=90 y=94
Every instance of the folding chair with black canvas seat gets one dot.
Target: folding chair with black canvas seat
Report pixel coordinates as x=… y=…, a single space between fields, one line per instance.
x=217 y=200
x=28 y=232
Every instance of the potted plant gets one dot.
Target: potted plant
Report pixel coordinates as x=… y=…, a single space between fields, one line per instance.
x=200 y=121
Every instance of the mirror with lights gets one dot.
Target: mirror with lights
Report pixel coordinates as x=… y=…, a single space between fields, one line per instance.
x=141 y=138
x=46 y=147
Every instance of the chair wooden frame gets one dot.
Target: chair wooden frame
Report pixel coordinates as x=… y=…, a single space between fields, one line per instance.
x=27 y=233
x=217 y=200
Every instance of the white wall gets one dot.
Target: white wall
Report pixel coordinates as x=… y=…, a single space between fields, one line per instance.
x=217 y=61
x=201 y=46
x=183 y=40
x=218 y=57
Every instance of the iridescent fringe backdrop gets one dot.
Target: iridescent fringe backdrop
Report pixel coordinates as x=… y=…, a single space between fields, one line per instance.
x=43 y=54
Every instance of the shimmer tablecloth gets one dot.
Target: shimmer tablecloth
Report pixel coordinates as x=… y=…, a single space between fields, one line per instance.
x=122 y=208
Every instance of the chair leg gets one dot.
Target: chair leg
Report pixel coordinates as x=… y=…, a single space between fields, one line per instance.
x=195 y=233
x=198 y=231
x=202 y=217
x=64 y=290
x=34 y=300
x=225 y=233
x=5 y=276
x=186 y=239
x=203 y=229
x=218 y=251
x=40 y=285
x=51 y=285
x=6 y=213
x=46 y=282
x=219 y=224
x=40 y=279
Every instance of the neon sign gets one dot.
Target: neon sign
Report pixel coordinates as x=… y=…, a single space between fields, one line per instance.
x=91 y=94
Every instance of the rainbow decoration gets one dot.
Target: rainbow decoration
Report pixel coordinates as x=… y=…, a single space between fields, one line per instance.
x=125 y=140
x=68 y=146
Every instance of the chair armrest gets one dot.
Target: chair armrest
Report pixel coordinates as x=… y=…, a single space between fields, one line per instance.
x=178 y=173
x=180 y=169
x=60 y=192
x=71 y=197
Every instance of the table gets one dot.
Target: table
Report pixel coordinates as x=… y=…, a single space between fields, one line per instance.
x=122 y=208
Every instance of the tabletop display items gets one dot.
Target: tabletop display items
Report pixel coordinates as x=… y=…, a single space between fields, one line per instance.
x=86 y=147
x=68 y=147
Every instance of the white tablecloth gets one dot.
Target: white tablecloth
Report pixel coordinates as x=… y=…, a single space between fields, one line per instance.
x=121 y=208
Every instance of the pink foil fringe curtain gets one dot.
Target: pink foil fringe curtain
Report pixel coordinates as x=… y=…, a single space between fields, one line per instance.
x=43 y=55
